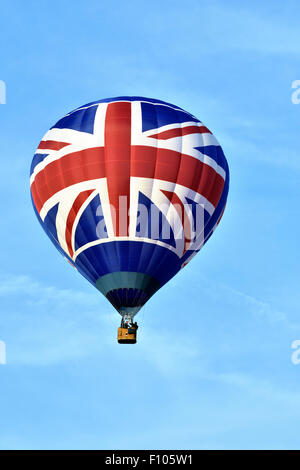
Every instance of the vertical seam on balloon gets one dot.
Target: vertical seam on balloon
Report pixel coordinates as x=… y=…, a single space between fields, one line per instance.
x=58 y=216
x=105 y=169
x=206 y=236
x=164 y=257
x=104 y=156
x=225 y=188
x=178 y=171
x=94 y=213
x=37 y=185
x=153 y=179
x=143 y=243
x=174 y=187
x=82 y=169
x=89 y=207
x=193 y=180
x=211 y=188
x=133 y=115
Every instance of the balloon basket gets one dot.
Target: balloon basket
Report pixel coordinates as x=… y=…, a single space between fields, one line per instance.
x=126 y=335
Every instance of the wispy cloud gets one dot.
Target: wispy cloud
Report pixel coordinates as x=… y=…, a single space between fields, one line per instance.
x=254 y=305
x=247 y=150
x=36 y=293
x=50 y=324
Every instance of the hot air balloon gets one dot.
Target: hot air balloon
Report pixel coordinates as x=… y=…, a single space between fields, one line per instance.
x=129 y=189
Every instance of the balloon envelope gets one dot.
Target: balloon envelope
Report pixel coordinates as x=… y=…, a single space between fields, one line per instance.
x=129 y=189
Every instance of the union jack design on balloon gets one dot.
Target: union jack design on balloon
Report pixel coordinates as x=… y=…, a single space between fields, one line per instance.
x=129 y=189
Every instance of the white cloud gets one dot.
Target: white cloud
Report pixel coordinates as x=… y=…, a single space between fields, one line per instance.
x=256 y=306
x=38 y=293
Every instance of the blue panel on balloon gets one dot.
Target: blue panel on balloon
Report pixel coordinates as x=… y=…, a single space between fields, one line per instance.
x=200 y=217
x=153 y=223
x=155 y=116
x=81 y=120
x=215 y=152
x=37 y=158
x=115 y=256
x=127 y=297
x=50 y=222
x=91 y=225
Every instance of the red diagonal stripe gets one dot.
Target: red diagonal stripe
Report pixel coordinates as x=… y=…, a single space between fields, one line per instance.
x=79 y=201
x=185 y=221
x=180 y=131
x=52 y=145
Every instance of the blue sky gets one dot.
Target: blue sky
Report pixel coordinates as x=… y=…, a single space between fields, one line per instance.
x=225 y=378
